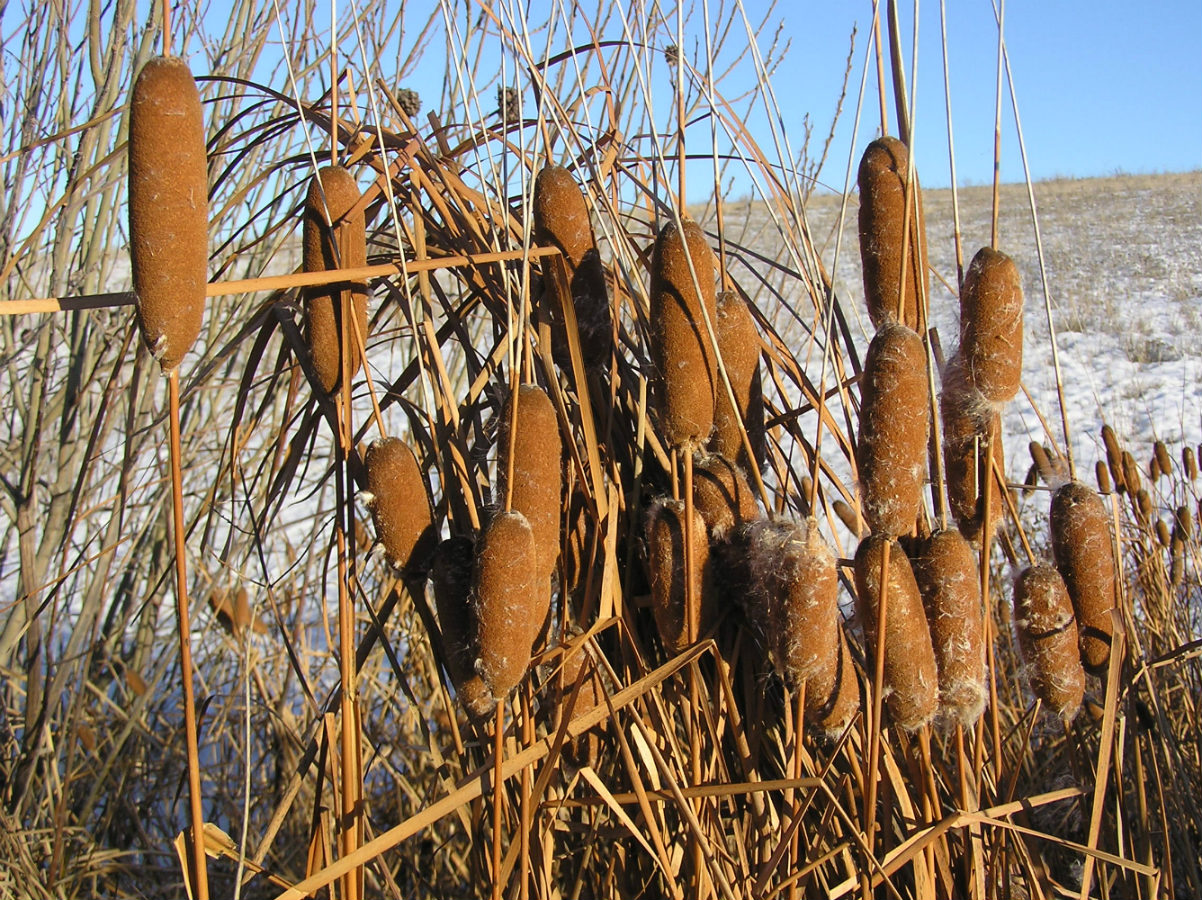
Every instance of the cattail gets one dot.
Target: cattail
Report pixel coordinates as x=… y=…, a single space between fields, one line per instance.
x=848 y=517
x=578 y=667
x=967 y=425
x=1114 y=456
x=334 y=237
x=1102 y=474
x=882 y=180
x=1052 y=469
x=1047 y=637
x=1183 y=522
x=579 y=531
x=680 y=345
x=168 y=207
x=537 y=451
x=666 y=560
x=911 y=678
x=891 y=452
x=451 y=579
x=561 y=219
x=1081 y=546
x=1143 y=505
x=1176 y=561
x=1131 y=479
x=946 y=571
x=1164 y=463
x=233 y=613
x=399 y=503
x=504 y=593
x=739 y=343
x=1189 y=463
x=1154 y=468
x=832 y=704
x=991 y=325
x=1162 y=533
x=793 y=601
x=721 y=495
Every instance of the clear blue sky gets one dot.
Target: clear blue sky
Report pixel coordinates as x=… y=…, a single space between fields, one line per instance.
x=1102 y=86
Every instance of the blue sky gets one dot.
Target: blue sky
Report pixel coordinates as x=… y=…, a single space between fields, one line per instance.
x=1102 y=86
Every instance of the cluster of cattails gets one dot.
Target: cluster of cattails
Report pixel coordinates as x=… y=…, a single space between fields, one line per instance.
x=924 y=590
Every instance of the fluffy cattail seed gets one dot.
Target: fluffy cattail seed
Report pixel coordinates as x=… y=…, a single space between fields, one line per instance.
x=451 y=579
x=537 y=483
x=1047 y=637
x=967 y=425
x=721 y=495
x=911 y=678
x=1084 y=556
x=505 y=593
x=882 y=180
x=334 y=237
x=809 y=633
x=991 y=325
x=666 y=560
x=168 y=207
x=400 y=505
x=739 y=343
x=891 y=452
x=946 y=571
x=680 y=345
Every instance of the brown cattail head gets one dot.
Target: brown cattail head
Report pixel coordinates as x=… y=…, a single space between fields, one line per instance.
x=1154 y=468
x=911 y=678
x=684 y=356
x=739 y=343
x=334 y=237
x=809 y=633
x=991 y=325
x=1081 y=545
x=578 y=667
x=233 y=612
x=832 y=704
x=1114 y=456
x=847 y=515
x=561 y=215
x=1164 y=462
x=946 y=571
x=1047 y=637
x=1183 y=523
x=1102 y=474
x=1143 y=505
x=1189 y=463
x=1131 y=478
x=534 y=441
x=400 y=505
x=891 y=452
x=506 y=596
x=451 y=579
x=882 y=180
x=1163 y=537
x=666 y=560
x=968 y=423
x=168 y=207
x=721 y=495
x=1052 y=469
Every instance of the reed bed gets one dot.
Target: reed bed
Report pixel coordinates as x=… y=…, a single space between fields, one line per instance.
x=652 y=561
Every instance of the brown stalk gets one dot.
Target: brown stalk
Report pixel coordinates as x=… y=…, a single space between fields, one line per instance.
x=200 y=873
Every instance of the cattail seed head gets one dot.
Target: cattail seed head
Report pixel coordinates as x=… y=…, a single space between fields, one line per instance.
x=400 y=505
x=1143 y=505
x=911 y=678
x=967 y=426
x=833 y=697
x=1183 y=523
x=891 y=452
x=561 y=216
x=168 y=207
x=1131 y=479
x=739 y=343
x=1081 y=546
x=1114 y=456
x=847 y=515
x=1047 y=637
x=1102 y=474
x=680 y=345
x=506 y=596
x=666 y=535
x=721 y=495
x=1189 y=463
x=946 y=571
x=1154 y=468
x=1164 y=463
x=537 y=484
x=451 y=579
x=1163 y=537
x=882 y=180
x=334 y=237
x=991 y=325
x=809 y=634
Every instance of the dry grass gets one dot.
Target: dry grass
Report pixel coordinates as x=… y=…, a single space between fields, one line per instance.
x=625 y=764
